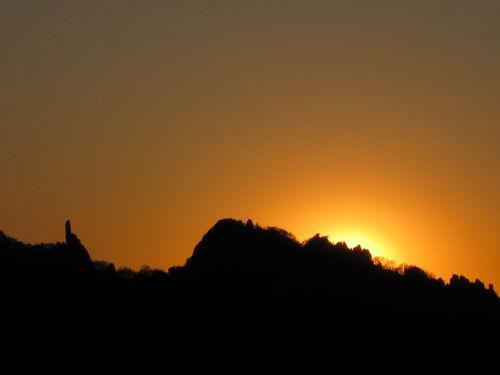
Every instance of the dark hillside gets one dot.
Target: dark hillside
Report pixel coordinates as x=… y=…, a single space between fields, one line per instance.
x=245 y=285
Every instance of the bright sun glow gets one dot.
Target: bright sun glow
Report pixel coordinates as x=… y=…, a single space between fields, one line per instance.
x=366 y=241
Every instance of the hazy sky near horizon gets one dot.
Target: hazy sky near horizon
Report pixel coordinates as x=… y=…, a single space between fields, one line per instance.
x=145 y=122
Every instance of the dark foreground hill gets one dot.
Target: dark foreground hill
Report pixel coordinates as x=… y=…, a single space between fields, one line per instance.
x=247 y=295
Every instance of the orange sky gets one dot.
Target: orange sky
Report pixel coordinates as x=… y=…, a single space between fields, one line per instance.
x=369 y=121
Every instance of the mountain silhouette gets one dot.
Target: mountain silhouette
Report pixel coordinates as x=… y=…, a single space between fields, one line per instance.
x=63 y=259
x=271 y=262
x=245 y=284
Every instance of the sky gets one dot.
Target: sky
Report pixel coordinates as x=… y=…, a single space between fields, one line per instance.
x=372 y=122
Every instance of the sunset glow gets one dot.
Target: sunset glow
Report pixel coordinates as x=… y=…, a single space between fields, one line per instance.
x=354 y=238
x=375 y=123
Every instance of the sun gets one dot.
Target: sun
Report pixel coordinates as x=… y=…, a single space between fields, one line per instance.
x=365 y=239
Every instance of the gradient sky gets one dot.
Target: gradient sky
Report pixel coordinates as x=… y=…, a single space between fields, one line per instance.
x=145 y=122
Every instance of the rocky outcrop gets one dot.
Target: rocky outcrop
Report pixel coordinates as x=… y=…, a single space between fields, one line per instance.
x=43 y=260
x=75 y=246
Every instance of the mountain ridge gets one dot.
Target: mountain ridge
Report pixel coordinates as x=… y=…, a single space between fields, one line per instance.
x=231 y=246
x=248 y=294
